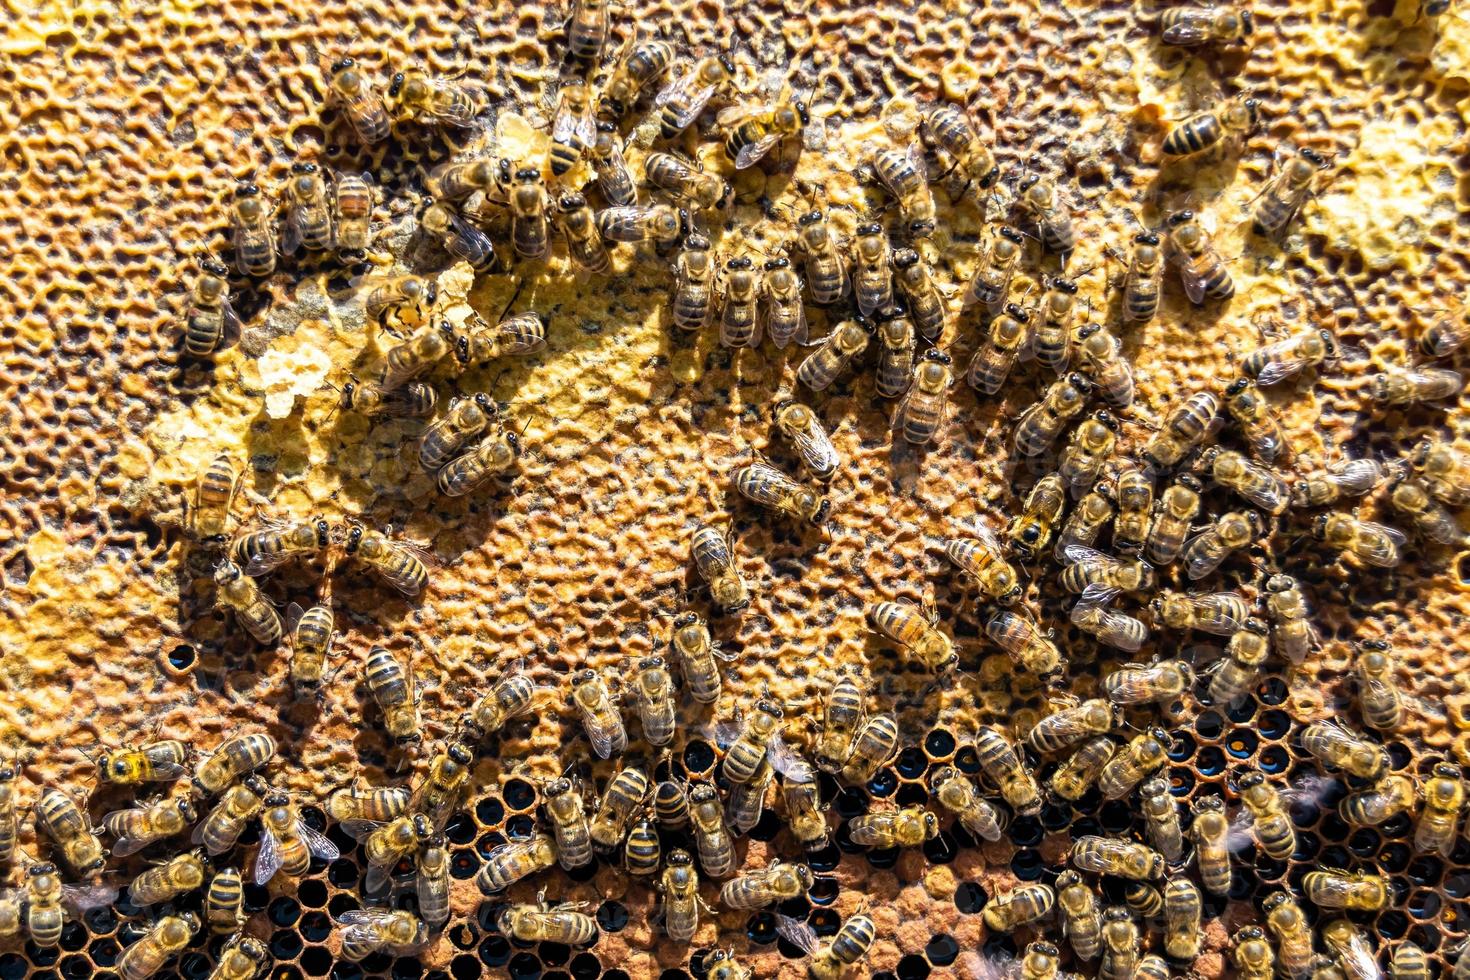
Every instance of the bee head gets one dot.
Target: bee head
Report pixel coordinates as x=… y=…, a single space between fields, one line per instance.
x=1016 y=313
x=780 y=263
x=810 y=218
x=695 y=242
x=1180 y=218
x=1012 y=235
x=344 y=64
x=354 y=538
x=686 y=619
x=1146 y=238
x=303 y=167
x=1247 y=22
x=937 y=355
x=871 y=228
x=905 y=258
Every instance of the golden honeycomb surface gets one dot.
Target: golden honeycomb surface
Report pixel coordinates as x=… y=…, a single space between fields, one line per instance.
x=123 y=128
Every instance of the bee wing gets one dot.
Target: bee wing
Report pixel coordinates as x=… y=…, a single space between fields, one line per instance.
x=358 y=829
x=1239 y=838
x=1284 y=360
x=1121 y=638
x=602 y=736
x=917 y=159
x=675 y=88
x=376 y=878
x=230 y=335
x=726 y=732
x=1358 y=476
x=1074 y=553
x=454 y=111
x=425 y=887
x=197 y=837
x=265 y=563
x=797 y=770
x=505 y=850
x=1392 y=533
x=131 y=845
x=364 y=917
x=1188 y=31
x=695 y=106
x=294 y=612
x=317 y=843
x=291 y=232
x=797 y=932
x=1096 y=594
x=1364 y=964
x=783 y=758
x=1194 y=286
x=815 y=448
x=268 y=859
x=751 y=153
x=83 y=898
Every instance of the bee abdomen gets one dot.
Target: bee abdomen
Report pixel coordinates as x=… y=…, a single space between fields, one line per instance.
x=1194 y=135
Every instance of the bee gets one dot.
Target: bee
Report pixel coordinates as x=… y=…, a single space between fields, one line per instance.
x=1281 y=359
x=982 y=559
x=843 y=716
x=1081 y=769
x=1285 y=193
x=1339 y=748
x=162 y=882
x=437 y=101
x=1120 y=946
x=1161 y=819
x=308 y=221
x=441 y=792
x=389 y=931
x=417 y=354
x=1201 y=269
x=722 y=965
x=1003 y=766
x=1144 y=282
x=872 y=274
x=568 y=816
x=587 y=29
x=514 y=860
x=712 y=559
x=311 y=641
x=1373 y=544
x=875 y=744
x=1023 y=639
x=1115 y=629
x=739 y=322
x=512 y=696
x=235 y=591
x=1182 y=914
x=1257 y=422
x=1081 y=920
x=991 y=283
x=222 y=827
x=214 y=492
x=901 y=172
x=1218 y=127
x=834 y=354
x=1253 y=957
x=902 y=623
x=1445 y=335
x=460 y=239
x=1444 y=798
x=1443 y=469
x=1090 y=569
x=1325 y=967
x=657 y=223
x=766 y=886
x=682 y=100
x=233 y=758
x=1135 y=495
x=1147 y=903
x=400 y=564
x=224 y=903
x=805 y=812
x=1356 y=891
x=1273 y=827
x=746 y=802
x=1210 y=24
x=830 y=961
x=378 y=805
x=1092 y=514
x=361 y=103
x=1230 y=533
x=1039 y=426
x=915 y=281
x=287 y=843
x=1070 y=725
x=1052 y=341
x=694 y=284
x=1043 y=202
x=1210 y=831
x=252 y=233
x=1353 y=478
x=711 y=839
x=45 y=903
x=1010 y=910
x=624 y=796
x=584 y=243
x=572 y=129
x=600 y=715
x=1385 y=799
x=683 y=178
x=826 y=271
x=456 y=181
x=895 y=353
x=211 y=324
x=691 y=643
x=954 y=132
x=262 y=551
x=60 y=817
x=759 y=736
x=1146 y=752
x=541 y=923
x=653 y=694
x=1117 y=857
x=1032 y=529
x=1040 y=961
x=1091 y=446
x=803 y=427
x=1099 y=356
x=529 y=204
x=446 y=437
x=137 y=827
x=614 y=179
x=785 y=311
x=1293 y=932
x=1355 y=957
x=958 y=795
x=908 y=827
x=153 y=762
x=769 y=487
x=1410 y=386
x=1173 y=514
x=1412 y=498
x=166 y=939
x=9 y=821
x=413 y=400
x=1240 y=669
x=679 y=886
x=922 y=410
x=997 y=354
x=1220 y=613
x=1408 y=963
x=642 y=850
x=647 y=61
x=393 y=691
x=515 y=336
x=242 y=958
x=400 y=302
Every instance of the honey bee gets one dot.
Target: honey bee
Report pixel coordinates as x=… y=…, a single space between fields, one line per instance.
x=417 y=97
x=901 y=172
x=682 y=100
x=287 y=843
x=1117 y=857
x=600 y=715
x=1210 y=24
x=1253 y=957
x=587 y=30
x=826 y=271
x=958 y=795
x=1039 y=426
x=1143 y=754
x=1010 y=910
x=1411 y=386
x=982 y=559
x=1081 y=920
x=1240 y=669
x=389 y=931
x=711 y=839
x=308 y=220
x=1146 y=902
x=830 y=961
x=1091 y=569
x=1042 y=200
x=1371 y=543
x=9 y=821
x=767 y=886
x=875 y=744
x=1445 y=335
x=1230 y=533
x=722 y=965
x=1003 y=766
x=579 y=227
x=908 y=827
x=1201 y=268
x=843 y=716
x=242 y=958
x=1408 y=963
x=758 y=738
x=544 y=924
x=954 y=132
x=1173 y=515
x=1161 y=819
x=1285 y=919
x=166 y=939
x=1339 y=748
x=262 y=551
x=1444 y=798
x=696 y=651
x=1160 y=682
x=400 y=302
x=233 y=758
x=235 y=591
x=614 y=179
x=1111 y=627
x=1235 y=120
x=1220 y=613
x=222 y=827
x=137 y=827
x=445 y=437
x=393 y=690
x=45 y=903
x=785 y=311
x=694 y=284
x=991 y=284
x=1387 y=798
x=1356 y=891
x=740 y=324
x=460 y=239
x=311 y=641
x=902 y=623
x=624 y=796
x=805 y=812
x=441 y=792
x=398 y=563
x=456 y=181
x=1281 y=359
x=224 y=903
x=895 y=353
x=1032 y=529
x=679 y=887
x=568 y=817
x=413 y=400
x=803 y=427
x=647 y=61
x=66 y=822
x=1144 y=282
x=1285 y=193
x=1090 y=447
x=1081 y=769
x=1352 y=478
x=1378 y=692
x=572 y=129
x=1052 y=340
x=1354 y=954
x=1325 y=967
x=162 y=882
x=1087 y=520
x=529 y=203
x=211 y=324
x=1120 y=946
x=1069 y=725
x=252 y=234
x=378 y=805
x=514 y=860
x=915 y=281
x=1257 y=422
x=1040 y=961
x=653 y=694
x=360 y=101
x=922 y=410
x=1273 y=827
x=160 y=761
x=512 y=696
x=657 y=223
x=683 y=178
x=1100 y=359
x=642 y=850
x=834 y=354
x=1210 y=832
x=1411 y=497
x=712 y=559
x=511 y=336
x=214 y=492
x=1443 y=469
x=769 y=487
x=417 y=354
x=1023 y=639
x=872 y=274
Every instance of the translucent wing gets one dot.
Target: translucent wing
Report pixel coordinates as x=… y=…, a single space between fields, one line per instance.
x=1201 y=563
x=427 y=890
x=131 y=845
x=1358 y=476
x=726 y=732
x=734 y=115
x=269 y=858
x=265 y=563
x=294 y=612
x=1188 y=31
x=1285 y=359
x=1194 y=286
x=1097 y=594
x=1074 y=553
x=376 y=878
x=815 y=448
x=1220 y=621
x=783 y=758
x=1392 y=533
x=365 y=917
x=1239 y=838
x=1310 y=790
x=602 y=736
x=197 y=837
x=797 y=932
x=1360 y=956
x=230 y=335
x=83 y=898
x=677 y=87
x=358 y=829
x=291 y=232
x=751 y=153
x=445 y=108
x=798 y=770
x=316 y=843
x=506 y=850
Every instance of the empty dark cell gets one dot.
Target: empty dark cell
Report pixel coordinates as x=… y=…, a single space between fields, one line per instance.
x=488 y=842
x=585 y=872
x=884 y=859
x=911 y=763
x=767 y=827
x=1026 y=831
x=1364 y=843
x=518 y=794
x=1243 y=884
x=460 y=829
x=612 y=916
x=1210 y=761
x=181 y=658
x=963 y=839
x=1183 y=747
x=794 y=908
x=343 y=970
x=73 y=937
x=1460 y=856
x=1027 y=864
x=970 y=898
x=824 y=922
x=315 y=927
x=851 y=803
x=1304 y=812
x=1181 y=782
x=436 y=975
x=1268 y=868
x=1273 y=760
x=824 y=859
x=1213 y=906
x=466 y=968
x=1396 y=827
x=942 y=950
x=699 y=757
x=1209 y=725
x=1272 y=691
x=342 y=903
x=1054 y=817
x=406 y=969
x=913 y=967
x=1394 y=858
x=1241 y=743
x=1241 y=712
x=1399 y=755
x=1307 y=846
x=1085 y=826
x=1333 y=828
x=464 y=865
x=966 y=760
x=1116 y=816
x=1426 y=937
x=1424 y=904
x=555 y=954
x=939 y=745
x=823 y=891
x=489 y=812
x=761 y=928
x=585 y=966
x=1273 y=724
x=884 y=783
x=519 y=826
x=312 y=893
x=494 y=951
x=75 y=968
x=1391 y=924
x=287 y=972
x=1457 y=886
x=346 y=844
x=284 y=911
x=673 y=975
x=1000 y=946
x=103 y=952
x=941 y=849
x=285 y=944
x=42 y=957
x=524 y=966
x=911 y=794
x=315 y=961
x=1335 y=857
x=788 y=949
x=1426 y=871
x=100 y=920
x=884 y=975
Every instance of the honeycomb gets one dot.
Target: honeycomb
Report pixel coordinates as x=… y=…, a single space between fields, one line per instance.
x=125 y=128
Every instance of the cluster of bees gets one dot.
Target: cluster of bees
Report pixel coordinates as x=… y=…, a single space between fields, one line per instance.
x=879 y=285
